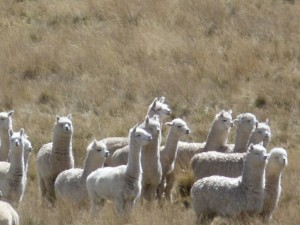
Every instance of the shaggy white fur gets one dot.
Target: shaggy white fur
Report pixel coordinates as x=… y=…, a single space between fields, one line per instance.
x=55 y=156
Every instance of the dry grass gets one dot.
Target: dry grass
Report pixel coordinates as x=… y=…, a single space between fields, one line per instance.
x=104 y=62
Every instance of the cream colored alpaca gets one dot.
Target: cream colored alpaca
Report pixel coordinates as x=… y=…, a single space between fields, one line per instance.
x=8 y=215
x=70 y=185
x=55 y=156
x=12 y=182
x=5 y=125
x=121 y=184
x=168 y=154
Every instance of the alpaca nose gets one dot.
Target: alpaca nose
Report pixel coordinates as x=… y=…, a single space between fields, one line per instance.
x=231 y=124
x=187 y=131
x=256 y=124
x=17 y=143
x=106 y=154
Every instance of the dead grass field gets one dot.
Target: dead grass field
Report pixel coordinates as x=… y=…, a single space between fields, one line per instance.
x=104 y=61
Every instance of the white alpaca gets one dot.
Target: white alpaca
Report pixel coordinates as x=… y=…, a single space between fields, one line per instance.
x=121 y=184
x=262 y=133
x=55 y=156
x=5 y=125
x=224 y=196
x=276 y=164
x=157 y=107
x=8 y=215
x=150 y=159
x=70 y=185
x=228 y=164
x=245 y=123
x=168 y=154
x=12 y=182
x=216 y=139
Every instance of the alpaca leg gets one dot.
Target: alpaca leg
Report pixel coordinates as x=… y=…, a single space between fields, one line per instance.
x=151 y=193
x=170 y=180
x=161 y=188
x=43 y=187
x=50 y=189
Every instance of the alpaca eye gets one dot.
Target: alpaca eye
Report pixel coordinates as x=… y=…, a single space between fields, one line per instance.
x=248 y=121
x=179 y=126
x=224 y=121
x=138 y=135
x=159 y=109
x=99 y=150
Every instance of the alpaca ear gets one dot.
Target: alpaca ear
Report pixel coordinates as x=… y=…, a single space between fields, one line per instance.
x=10 y=132
x=220 y=114
x=70 y=116
x=134 y=128
x=94 y=143
x=162 y=99
x=147 y=119
x=168 y=123
x=10 y=113
x=250 y=149
x=267 y=121
x=229 y=111
x=22 y=132
x=235 y=122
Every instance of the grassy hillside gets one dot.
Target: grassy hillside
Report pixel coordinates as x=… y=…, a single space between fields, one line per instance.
x=104 y=61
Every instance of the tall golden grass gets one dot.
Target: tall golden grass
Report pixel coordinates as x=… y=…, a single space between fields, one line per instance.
x=105 y=61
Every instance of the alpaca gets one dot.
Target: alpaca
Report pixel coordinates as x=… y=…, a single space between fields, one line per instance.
x=70 y=185
x=150 y=159
x=276 y=164
x=12 y=182
x=228 y=164
x=8 y=215
x=224 y=196
x=5 y=125
x=216 y=139
x=262 y=133
x=245 y=123
x=121 y=184
x=168 y=154
x=157 y=107
x=55 y=156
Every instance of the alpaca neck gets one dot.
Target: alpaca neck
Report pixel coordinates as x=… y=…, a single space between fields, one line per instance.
x=90 y=164
x=171 y=145
x=216 y=139
x=16 y=169
x=272 y=182
x=62 y=144
x=133 y=169
x=253 y=179
x=4 y=148
x=151 y=150
x=241 y=140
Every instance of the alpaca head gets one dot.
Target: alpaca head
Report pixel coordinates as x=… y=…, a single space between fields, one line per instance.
x=178 y=126
x=6 y=120
x=223 y=120
x=277 y=161
x=152 y=125
x=64 y=125
x=27 y=146
x=246 y=122
x=98 y=150
x=257 y=154
x=16 y=140
x=262 y=133
x=139 y=135
x=160 y=108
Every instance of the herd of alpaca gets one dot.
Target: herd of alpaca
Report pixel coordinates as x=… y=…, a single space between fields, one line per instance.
x=229 y=179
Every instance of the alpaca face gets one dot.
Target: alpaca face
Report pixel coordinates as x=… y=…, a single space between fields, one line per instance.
x=161 y=109
x=179 y=127
x=99 y=149
x=152 y=125
x=16 y=139
x=277 y=161
x=262 y=134
x=6 y=120
x=141 y=136
x=247 y=120
x=257 y=154
x=223 y=120
x=64 y=125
